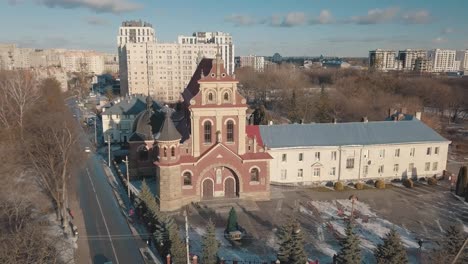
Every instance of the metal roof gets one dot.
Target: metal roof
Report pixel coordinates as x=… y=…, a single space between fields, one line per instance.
x=130 y=106
x=345 y=134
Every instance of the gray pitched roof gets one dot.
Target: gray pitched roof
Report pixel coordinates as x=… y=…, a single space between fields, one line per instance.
x=130 y=106
x=343 y=134
x=168 y=131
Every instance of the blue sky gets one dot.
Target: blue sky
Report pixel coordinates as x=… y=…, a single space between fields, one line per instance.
x=261 y=27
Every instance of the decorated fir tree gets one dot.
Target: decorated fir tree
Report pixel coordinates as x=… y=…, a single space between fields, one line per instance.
x=210 y=245
x=392 y=250
x=232 y=221
x=285 y=242
x=298 y=254
x=350 y=252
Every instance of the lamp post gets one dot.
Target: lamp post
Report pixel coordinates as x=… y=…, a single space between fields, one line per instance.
x=109 y=148
x=128 y=176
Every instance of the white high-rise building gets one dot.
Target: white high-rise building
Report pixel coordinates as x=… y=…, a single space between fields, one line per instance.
x=223 y=39
x=462 y=56
x=408 y=58
x=442 y=60
x=255 y=62
x=383 y=60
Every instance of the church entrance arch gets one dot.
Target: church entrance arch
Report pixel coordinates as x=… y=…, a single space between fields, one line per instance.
x=226 y=182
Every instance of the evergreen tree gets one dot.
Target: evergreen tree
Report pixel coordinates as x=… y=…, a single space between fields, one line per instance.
x=232 y=221
x=298 y=254
x=260 y=116
x=161 y=235
x=350 y=252
x=177 y=250
x=391 y=251
x=293 y=109
x=210 y=245
x=462 y=181
x=285 y=242
x=145 y=193
x=322 y=108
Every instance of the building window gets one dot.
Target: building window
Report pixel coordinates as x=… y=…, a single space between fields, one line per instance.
x=350 y=163
x=317 y=156
x=395 y=167
x=254 y=175
x=164 y=152
x=382 y=153
x=381 y=169
x=434 y=166
x=207 y=130
x=333 y=171
x=301 y=156
x=230 y=131
x=226 y=97
x=365 y=170
x=333 y=155
x=427 y=166
x=436 y=150
x=284 y=158
x=397 y=152
x=283 y=174
x=187 y=178
x=172 y=151
x=412 y=151
x=317 y=172
x=300 y=173
x=210 y=97
x=429 y=150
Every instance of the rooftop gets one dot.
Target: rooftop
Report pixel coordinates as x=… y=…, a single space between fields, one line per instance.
x=130 y=106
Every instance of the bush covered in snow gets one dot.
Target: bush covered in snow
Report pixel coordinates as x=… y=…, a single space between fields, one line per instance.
x=408 y=183
x=339 y=186
x=380 y=184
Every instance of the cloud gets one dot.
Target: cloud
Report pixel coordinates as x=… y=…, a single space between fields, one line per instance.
x=375 y=16
x=240 y=20
x=446 y=31
x=99 y=6
x=417 y=17
x=439 y=40
x=325 y=17
x=289 y=20
x=96 y=21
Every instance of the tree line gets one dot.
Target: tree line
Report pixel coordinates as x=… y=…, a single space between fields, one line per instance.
x=39 y=152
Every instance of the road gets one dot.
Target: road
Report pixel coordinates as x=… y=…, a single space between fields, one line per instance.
x=106 y=230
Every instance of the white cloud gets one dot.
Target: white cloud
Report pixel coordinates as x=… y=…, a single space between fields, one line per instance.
x=375 y=16
x=417 y=17
x=240 y=20
x=99 y=6
x=446 y=31
x=290 y=20
x=325 y=17
x=439 y=40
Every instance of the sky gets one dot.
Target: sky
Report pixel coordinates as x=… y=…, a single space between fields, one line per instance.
x=342 y=28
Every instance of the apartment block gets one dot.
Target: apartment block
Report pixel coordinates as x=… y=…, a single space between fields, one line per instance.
x=442 y=60
x=462 y=57
x=408 y=58
x=255 y=62
x=383 y=60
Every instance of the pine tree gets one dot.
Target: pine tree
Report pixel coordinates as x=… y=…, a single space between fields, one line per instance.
x=145 y=193
x=350 y=252
x=322 y=108
x=298 y=254
x=161 y=235
x=178 y=250
x=232 y=221
x=392 y=250
x=462 y=181
x=285 y=242
x=210 y=245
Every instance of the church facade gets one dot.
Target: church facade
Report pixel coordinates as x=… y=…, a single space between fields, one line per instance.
x=203 y=149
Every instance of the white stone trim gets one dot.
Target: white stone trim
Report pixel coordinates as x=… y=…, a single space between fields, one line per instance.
x=229 y=119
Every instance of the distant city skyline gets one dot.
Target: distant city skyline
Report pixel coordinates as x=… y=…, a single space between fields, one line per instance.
x=302 y=28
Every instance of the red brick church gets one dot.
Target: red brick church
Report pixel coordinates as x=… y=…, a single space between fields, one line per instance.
x=202 y=149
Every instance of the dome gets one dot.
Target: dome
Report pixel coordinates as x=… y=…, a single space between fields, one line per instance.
x=144 y=126
x=168 y=131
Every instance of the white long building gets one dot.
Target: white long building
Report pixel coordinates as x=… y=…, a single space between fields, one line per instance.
x=311 y=153
x=442 y=60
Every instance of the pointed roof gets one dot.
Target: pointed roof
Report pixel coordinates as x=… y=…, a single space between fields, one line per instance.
x=168 y=131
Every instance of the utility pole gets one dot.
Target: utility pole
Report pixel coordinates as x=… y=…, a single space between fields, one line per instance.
x=109 y=148
x=128 y=176
x=460 y=251
x=95 y=132
x=186 y=236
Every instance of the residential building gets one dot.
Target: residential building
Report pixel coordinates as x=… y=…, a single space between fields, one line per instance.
x=76 y=61
x=117 y=120
x=353 y=151
x=135 y=32
x=335 y=63
x=422 y=65
x=111 y=63
x=383 y=60
x=57 y=73
x=7 y=56
x=255 y=62
x=442 y=60
x=408 y=58
x=204 y=150
x=462 y=57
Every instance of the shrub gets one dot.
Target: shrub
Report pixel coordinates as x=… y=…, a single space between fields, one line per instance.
x=422 y=179
x=380 y=184
x=329 y=184
x=408 y=183
x=359 y=186
x=338 y=186
x=370 y=182
x=432 y=181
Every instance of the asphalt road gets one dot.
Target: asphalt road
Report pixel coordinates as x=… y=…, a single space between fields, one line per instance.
x=108 y=235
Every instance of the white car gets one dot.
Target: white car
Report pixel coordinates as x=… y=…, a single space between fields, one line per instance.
x=87 y=150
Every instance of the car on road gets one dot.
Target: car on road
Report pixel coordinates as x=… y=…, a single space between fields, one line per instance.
x=87 y=149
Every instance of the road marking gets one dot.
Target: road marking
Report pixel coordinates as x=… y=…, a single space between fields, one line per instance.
x=103 y=218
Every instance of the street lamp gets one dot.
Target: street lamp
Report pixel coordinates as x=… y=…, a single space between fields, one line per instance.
x=128 y=176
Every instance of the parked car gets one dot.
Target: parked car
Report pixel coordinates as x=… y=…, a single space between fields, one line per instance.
x=87 y=149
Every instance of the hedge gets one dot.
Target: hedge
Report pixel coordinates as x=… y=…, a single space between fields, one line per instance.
x=380 y=184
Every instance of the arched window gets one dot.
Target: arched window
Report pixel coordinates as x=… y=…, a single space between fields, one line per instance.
x=254 y=175
x=143 y=154
x=187 y=178
x=226 y=96
x=207 y=131
x=165 y=152
x=230 y=131
x=210 y=97
x=172 y=151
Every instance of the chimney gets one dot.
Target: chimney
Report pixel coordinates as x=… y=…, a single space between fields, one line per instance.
x=365 y=119
x=417 y=115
